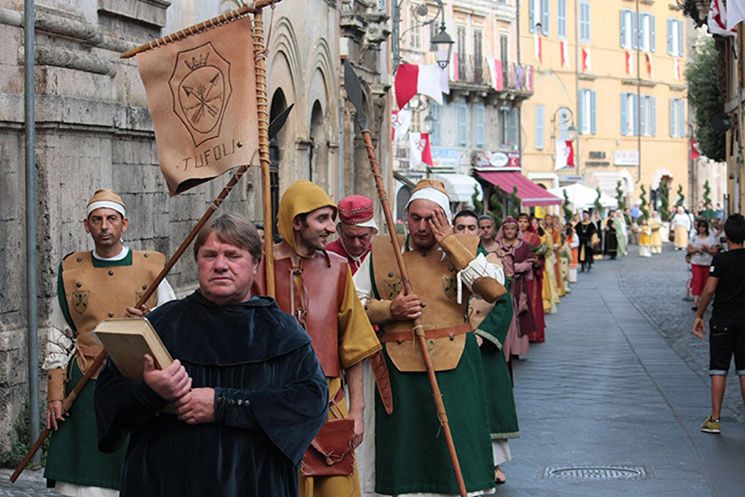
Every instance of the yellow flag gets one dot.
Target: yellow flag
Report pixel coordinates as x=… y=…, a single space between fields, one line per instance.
x=201 y=93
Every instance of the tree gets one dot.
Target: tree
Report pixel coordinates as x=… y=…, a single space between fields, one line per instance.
x=643 y=200
x=496 y=208
x=478 y=205
x=620 y=196
x=681 y=197
x=706 y=94
x=707 y=196
x=598 y=205
x=514 y=203
x=567 y=210
x=664 y=194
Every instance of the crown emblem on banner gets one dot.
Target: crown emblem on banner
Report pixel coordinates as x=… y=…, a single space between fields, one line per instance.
x=197 y=62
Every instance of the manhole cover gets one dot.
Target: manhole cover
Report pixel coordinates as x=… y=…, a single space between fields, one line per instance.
x=597 y=472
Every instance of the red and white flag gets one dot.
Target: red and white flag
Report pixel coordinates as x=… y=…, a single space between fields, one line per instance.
x=717 y=22
x=735 y=13
x=400 y=124
x=420 y=151
x=629 y=62
x=427 y=79
x=650 y=69
x=529 y=75
x=538 y=47
x=564 y=48
x=586 y=60
x=496 y=73
x=695 y=154
x=676 y=69
x=453 y=67
x=564 y=154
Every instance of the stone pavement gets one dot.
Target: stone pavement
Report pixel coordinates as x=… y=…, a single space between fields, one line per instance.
x=607 y=390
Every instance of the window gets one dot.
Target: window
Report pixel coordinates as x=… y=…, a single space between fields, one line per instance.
x=588 y=122
x=677 y=118
x=504 y=54
x=538 y=13
x=478 y=61
x=539 y=127
x=561 y=18
x=584 y=21
x=629 y=29
x=414 y=36
x=647 y=32
x=478 y=126
x=462 y=125
x=510 y=127
x=675 y=37
x=460 y=43
x=648 y=113
x=434 y=134
x=629 y=121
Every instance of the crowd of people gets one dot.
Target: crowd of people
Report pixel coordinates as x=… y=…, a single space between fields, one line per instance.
x=322 y=391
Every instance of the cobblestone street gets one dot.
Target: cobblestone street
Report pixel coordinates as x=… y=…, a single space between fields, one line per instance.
x=611 y=404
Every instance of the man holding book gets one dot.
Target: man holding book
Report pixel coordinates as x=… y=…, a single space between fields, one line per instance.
x=243 y=398
x=91 y=286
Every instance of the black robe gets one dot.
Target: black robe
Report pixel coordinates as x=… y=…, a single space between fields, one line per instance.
x=270 y=401
x=584 y=233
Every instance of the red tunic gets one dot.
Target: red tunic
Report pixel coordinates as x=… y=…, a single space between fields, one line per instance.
x=354 y=262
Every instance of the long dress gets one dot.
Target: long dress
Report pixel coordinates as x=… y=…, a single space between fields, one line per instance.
x=645 y=241
x=585 y=232
x=535 y=288
x=611 y=242
x=620 y=226
x=560 y=287
x=550 y=293
x=655 y=225
x=270 y=401
x=682 y=225
x=517 y=260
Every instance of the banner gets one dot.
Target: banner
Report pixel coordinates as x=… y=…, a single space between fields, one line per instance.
x=420 y=151
x=564 y=154
x=717 y=21
x=426 y=79
x=496 y=73
x=401 y=122
x=201 y=94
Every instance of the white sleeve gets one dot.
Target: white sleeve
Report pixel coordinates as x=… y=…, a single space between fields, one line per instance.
x=363 y=281
x=165 y=293
x=60 y=341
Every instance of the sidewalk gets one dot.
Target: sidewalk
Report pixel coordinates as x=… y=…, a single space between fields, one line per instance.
x=607 y=390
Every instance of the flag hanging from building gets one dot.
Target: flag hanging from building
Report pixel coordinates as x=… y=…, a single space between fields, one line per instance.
x=420 y=151
x=496 y=72
x=564 y=154
x=453 y=68
x=717 y=22
x=538 y=47
x=676 y=69
x=564 y=48
x=401 y=122
x=629 y=62
x=201 y=94
x=695 y=154
x=650 y=69
x=586 y=60
x=413 y=79
x=735 y=13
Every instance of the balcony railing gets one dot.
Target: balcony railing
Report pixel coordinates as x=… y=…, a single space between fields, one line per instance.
x=501 y=77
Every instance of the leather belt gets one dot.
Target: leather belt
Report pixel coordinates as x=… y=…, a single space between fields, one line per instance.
x=449 y=332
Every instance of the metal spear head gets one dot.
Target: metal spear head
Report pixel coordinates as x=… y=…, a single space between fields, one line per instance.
x=278 y=122
x=354 y=93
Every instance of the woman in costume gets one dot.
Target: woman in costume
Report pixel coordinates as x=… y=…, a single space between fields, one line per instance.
x=557 y=252
x=655 y=224
x=619 y=223
x=611 y=242
x=535 y=286
x=585 y=231
x=645 y=239
x=681 y=224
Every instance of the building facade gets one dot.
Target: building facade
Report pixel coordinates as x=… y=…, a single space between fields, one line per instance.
x=613 y=74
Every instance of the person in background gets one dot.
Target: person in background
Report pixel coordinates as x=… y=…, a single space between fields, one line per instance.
x=701 y=249
x=530 y=235
x=488 y=232
x=645 y=238
x=356 y=229
x=655 y=224
x=681 y=225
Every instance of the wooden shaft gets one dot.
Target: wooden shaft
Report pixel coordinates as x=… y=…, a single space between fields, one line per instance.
x=195 y=28
x=100 y=358
x=266 y=180
x=418 y=329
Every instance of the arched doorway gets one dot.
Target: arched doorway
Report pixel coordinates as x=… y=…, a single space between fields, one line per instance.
x=318 y=152
x=279 y=104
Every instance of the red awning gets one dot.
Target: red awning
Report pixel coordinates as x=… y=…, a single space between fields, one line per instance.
x=529 y=193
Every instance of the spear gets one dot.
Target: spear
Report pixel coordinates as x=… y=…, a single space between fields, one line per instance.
x=354 y=93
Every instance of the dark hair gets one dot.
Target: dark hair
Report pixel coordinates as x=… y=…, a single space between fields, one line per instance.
x=465 y=213
x=487 y=217
x=702 y=222
x=734 y=228
x=524 y=215
x=234 y=230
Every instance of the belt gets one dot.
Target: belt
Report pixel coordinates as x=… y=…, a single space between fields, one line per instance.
x=449 y=332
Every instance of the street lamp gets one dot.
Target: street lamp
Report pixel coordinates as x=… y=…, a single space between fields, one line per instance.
x=441 y=43
x=563 y=116
x=429 y=123
x=698 y=10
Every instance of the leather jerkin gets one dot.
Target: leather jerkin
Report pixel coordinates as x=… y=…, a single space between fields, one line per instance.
x=97 y=293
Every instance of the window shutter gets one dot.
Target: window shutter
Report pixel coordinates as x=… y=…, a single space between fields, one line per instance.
x=636 y=114
x=581 y=111
x=670 y=37
x=546 y=17
x=671 y=117
x=680 y=38
x=642 y=32
x=643 y=117
x=462 y=125
x=531 y=16
x=539 y=118
x=652 y=33
x=682 y=118
x=635 y=30
x=653 y=116
x=624 y=116
x=622 y=27
x=593 y=115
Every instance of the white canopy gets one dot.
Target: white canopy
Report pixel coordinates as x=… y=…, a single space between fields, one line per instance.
x=583 y=197
x=460 y=187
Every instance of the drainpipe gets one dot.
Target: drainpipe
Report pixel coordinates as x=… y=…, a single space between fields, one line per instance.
x=29 y=104
x=578 y=154
x=638 y=93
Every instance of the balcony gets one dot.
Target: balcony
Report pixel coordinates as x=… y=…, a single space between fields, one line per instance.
x=489 y=75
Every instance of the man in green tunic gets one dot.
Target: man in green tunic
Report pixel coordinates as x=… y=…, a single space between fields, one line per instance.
x=91 y=286
x=411 y=456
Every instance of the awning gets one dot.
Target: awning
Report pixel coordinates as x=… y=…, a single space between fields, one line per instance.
x=529 y=193
x=583 y=197
x=461 y=187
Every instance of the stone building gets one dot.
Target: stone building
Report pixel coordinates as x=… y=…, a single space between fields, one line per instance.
x=93 y=130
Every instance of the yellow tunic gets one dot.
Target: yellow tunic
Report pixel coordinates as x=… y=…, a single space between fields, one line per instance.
x=550 y=292
x=645 y=236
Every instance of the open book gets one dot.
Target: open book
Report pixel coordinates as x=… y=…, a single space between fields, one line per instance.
x=128 y=340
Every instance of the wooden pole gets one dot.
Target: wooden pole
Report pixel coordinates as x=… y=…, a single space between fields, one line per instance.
x=418 y=328
x=266 y=190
